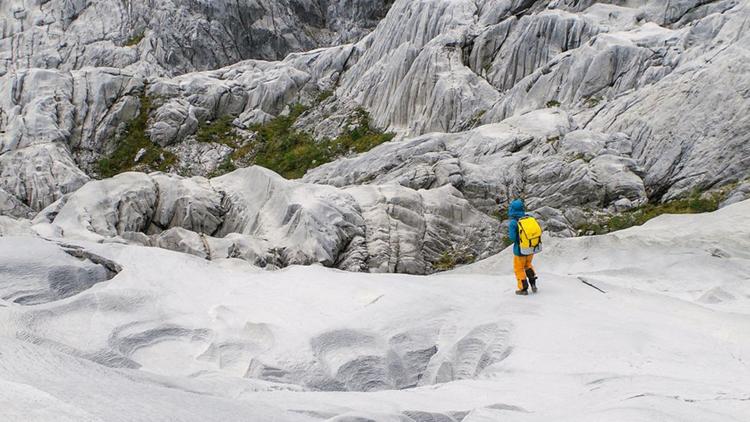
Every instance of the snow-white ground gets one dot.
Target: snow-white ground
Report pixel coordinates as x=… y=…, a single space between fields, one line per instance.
x=659 y=333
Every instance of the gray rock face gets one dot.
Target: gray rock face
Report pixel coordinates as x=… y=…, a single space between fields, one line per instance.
x=15 y=227
x=37 y=176
x=175 y=36
x=256 y=215
x=738 y=194
x=539 y=156
x=575 y=106
x=11 y=206
x=36 y=271
x=354 y=360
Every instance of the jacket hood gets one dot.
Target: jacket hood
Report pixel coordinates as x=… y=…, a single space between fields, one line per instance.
x=516 y=209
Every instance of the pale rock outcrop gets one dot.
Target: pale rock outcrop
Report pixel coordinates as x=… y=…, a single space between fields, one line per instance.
x=106 y=208
x=310 y=223
x=10 y=226
x=577 y=106
x=411 y=76
x=13 y=207
x=690 y=129
x=82 y=108
x=72 y=72
x=738 y=194
x=199 y=158
x=190 y=204
x=168 y=37
x=38 y=175
x=254 y=91
x=508 y=51
x=81 y=114
x=256 y=215
x=36 y=271
x=539 y=156
x=605 y=67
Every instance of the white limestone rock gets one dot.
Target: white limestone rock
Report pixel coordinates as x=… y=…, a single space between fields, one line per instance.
x=13 y=207
x=310 y=223
x=38 y=175
x=107 y=208
x=200 y=158
x=256 y=215
x=168 y=37
x=538 y=156
x=689 y=130
x=190 y=204
x=738 y=194
x=10 y=226
x=36 y=271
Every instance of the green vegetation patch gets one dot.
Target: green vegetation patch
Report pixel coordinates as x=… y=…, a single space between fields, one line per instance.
x=219 y=131
x=453 y=257
x=132 y=140
x=226 y=166
x=693 y=205
x=324 y=95
x=290 y=152
x=592 y=102
x=476 y=119
x=553 y=103
x=135 y=39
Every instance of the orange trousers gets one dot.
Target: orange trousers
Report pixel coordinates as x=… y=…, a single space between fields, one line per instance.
x=520 y=265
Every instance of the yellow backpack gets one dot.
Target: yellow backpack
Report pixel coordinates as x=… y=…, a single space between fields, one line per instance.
x=529 y=235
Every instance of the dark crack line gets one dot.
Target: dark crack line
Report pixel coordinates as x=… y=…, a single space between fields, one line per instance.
x=583 y=280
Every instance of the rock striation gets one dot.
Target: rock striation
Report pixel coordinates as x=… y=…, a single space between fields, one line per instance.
x=256 y=215
x=577 y=106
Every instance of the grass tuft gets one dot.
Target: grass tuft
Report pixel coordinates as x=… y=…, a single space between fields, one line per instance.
x=132 y=140
x=220 y=131
x=290 y=152
x=135 y=39
x=695 y=204
x=454 y=257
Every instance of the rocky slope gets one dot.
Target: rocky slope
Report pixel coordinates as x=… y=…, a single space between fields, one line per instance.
x=576 y=106
x=172 y=37
x=256 y=215
x=630 y=326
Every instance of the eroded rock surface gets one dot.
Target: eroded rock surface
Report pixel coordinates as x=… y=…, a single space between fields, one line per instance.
x=540 y=156
x=256 y=215
x=578 y=107
x=36 y=271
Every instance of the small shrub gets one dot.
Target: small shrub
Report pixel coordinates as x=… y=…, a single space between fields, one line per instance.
x=132 y=140
x=592 y=102
x=476 y=118
x=446 y=262
x=695 y=204
x=324 y=95
x=553 y=103
x=219 y=131
x=226 y=166
x=506 y=241
x=451 y=258
x=135 y=39
x=290 y=152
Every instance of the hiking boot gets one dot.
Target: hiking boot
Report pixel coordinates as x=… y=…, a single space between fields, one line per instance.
x=532 y=279
x=525 y=290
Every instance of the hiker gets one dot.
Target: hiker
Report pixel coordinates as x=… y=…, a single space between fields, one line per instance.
x=525 y=233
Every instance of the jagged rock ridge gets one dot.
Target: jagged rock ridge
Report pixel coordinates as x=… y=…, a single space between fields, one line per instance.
x=576 y=106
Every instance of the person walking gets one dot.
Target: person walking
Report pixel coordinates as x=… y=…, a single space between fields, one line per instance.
x=522 y=267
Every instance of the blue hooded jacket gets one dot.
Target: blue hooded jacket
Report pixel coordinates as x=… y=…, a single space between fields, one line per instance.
x=515 y=211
